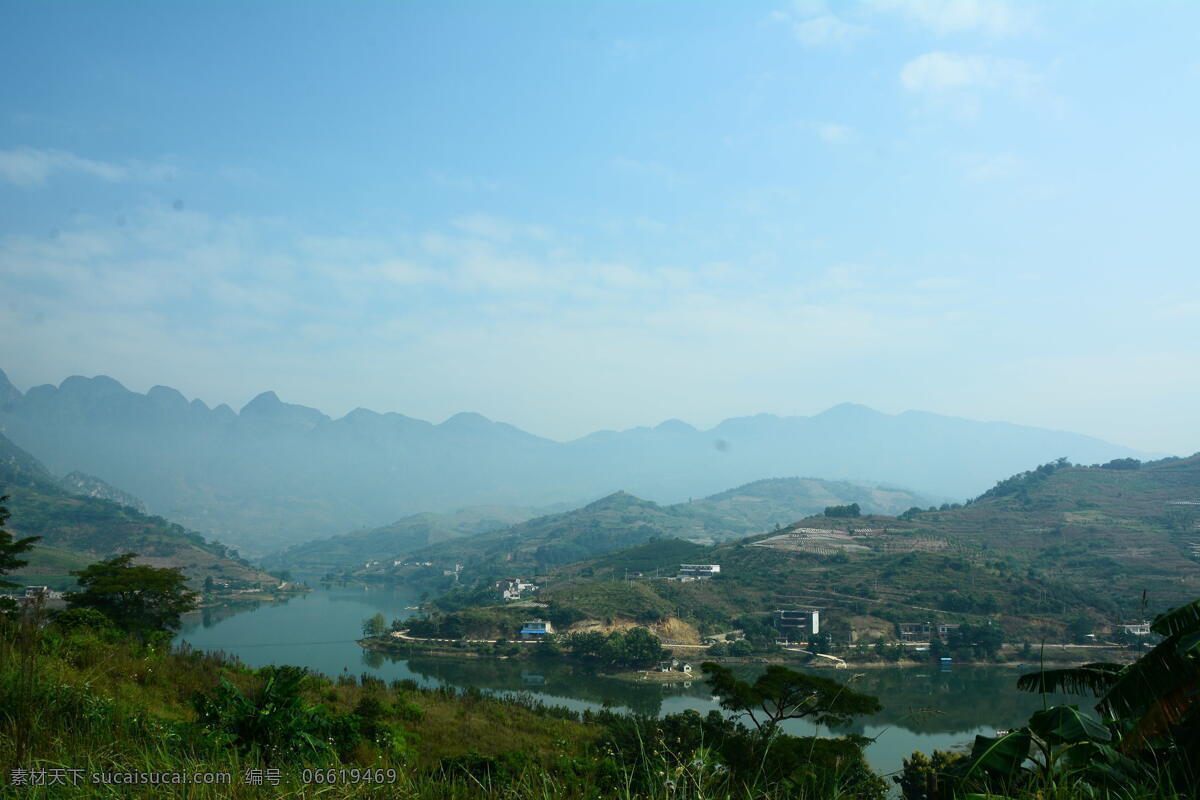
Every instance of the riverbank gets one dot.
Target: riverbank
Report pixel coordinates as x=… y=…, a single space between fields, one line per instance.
x=251 y=597
x=401 y=644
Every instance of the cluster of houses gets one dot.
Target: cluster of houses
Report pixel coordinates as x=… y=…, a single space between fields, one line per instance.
x=924 y=631
x=34 y=595
x=516 y=588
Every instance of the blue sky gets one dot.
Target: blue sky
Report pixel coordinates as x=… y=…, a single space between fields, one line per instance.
x=575 y=216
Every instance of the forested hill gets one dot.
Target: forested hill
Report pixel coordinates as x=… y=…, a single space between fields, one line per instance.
x=621 y=520
x=77 y=528
x=1039 y=551
x=386 y=543
x=275 y=474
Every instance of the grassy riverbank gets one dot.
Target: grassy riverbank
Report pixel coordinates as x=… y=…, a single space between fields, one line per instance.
x=90 y=698
x=93 y=699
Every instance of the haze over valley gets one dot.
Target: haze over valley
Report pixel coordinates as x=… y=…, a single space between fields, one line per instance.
x=275 y=474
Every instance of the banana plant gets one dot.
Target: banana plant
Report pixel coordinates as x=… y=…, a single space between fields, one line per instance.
x=1155 y=701
x=1150 y=718
x=1060 y=743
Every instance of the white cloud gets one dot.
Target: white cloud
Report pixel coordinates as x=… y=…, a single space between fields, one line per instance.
x=28 y=166
x=498 y=229
x=814 y=24
x=644 y=168
x=941 y=71
x=833 y=133
x=254 y=305
x=992 y=167
x=944 y=17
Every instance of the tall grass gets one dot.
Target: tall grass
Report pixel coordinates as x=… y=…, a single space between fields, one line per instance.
x=96 y=702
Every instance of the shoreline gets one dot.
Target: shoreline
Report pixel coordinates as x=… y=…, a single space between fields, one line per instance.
x=247 y=598
x=472 y=650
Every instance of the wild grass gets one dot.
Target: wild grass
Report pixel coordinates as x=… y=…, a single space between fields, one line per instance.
x=103 y=704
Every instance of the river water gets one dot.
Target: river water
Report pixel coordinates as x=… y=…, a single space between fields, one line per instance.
x=925 y=708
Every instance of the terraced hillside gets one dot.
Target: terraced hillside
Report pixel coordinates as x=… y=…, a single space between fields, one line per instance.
x=622 y=520
x=1040 y=551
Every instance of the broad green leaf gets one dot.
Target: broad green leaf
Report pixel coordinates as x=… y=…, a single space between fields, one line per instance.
x=1001 y=755
x=1182 y=620
x=1067 y=725
x=1094 y=679
x=1189 y=645
x=1103 y=763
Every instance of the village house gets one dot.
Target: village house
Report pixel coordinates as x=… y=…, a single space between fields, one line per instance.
x=536 y=629
x=922 y=631
x=516 y=588
x=692 y=572
x=796 y=625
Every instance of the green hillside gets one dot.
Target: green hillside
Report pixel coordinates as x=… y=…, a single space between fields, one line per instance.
x=1041 y=551
x=388 y=542
x=76 y=530
x=621 y=520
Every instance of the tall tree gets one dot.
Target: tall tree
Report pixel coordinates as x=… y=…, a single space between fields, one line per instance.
x=781 y=693
x=11 y=548
x=136 y=597
x=375 y=626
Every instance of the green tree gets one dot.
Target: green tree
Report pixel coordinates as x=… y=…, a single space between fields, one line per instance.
x=781 y=693
x=642 y=648
x=741 y=648
x=851 y=510
x=137 y=598
x=375 y=626
x=11 y=548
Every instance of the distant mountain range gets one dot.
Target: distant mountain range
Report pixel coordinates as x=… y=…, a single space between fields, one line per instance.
x=275 y=474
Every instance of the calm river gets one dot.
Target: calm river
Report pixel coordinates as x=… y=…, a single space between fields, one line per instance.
x=925 y=708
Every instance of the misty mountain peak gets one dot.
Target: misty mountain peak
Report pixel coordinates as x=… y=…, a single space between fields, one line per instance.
x=99 y=386
x=674 y=426
x=467 y=420
x=8 y=392
x=850 y=411
x=361 y=414
x=167 y=397
x=618 y=500
x=268 y=406
x=264 y=403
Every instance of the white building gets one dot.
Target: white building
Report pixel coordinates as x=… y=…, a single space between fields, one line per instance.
x=516 y=588
x=800 y=624
x=697 y=571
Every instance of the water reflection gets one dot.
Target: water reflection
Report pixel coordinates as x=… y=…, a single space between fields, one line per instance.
x=924 y=707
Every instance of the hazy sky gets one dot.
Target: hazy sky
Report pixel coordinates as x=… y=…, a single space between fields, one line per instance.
x=575 y=216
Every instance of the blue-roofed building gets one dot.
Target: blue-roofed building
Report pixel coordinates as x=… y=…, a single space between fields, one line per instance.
x=536 y=629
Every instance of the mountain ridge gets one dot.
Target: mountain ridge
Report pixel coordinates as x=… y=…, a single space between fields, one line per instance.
x=278 y=473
